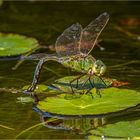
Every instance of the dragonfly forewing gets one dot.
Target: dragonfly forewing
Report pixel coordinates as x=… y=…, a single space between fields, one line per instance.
x=68 y=42
x=91 y=32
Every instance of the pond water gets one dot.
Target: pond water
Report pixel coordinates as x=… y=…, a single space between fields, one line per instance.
x=45 y=21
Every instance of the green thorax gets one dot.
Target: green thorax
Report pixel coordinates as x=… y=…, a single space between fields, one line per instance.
x=78 y=63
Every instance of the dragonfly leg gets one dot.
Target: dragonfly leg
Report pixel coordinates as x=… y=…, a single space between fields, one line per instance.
x=72 y=82
x=98 y=92
x=89 y=93
x=85 y=82
x=91 y=83
x=103 y=81
x=77 y=83
x=89 y=79
x=77 y=78
x=93 y=86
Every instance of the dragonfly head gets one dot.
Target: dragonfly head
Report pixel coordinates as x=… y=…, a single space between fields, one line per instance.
x=99 y=68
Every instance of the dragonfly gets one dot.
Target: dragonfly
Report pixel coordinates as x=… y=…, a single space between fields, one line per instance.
x=73 y=49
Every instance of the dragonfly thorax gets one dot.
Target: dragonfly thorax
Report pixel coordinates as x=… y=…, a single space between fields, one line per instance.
x=85 y=65
x=78 y=63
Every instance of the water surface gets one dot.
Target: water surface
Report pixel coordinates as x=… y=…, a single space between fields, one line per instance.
x=46 y=21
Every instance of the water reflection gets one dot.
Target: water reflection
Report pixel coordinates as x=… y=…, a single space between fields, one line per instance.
x=83 y=124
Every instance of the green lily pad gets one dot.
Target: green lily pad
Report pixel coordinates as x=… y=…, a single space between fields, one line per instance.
x=111 y=100
x=124 y=129
x=24 y=100
x=13 y=44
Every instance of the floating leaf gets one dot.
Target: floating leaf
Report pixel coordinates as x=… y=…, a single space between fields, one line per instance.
x=64 y=83
x=111 y=100
x=116 y=83
x=13 y=44
x=24 y=100
x=39 y=88
x=124 y=129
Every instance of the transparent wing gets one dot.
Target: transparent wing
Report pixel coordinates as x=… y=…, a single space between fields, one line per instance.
x=68 y=42
x=91 y=33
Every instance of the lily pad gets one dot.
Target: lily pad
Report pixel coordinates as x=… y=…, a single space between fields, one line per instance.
x=111 y=100
x=13 y=44
x=24 y=100
x=126 y=129
x=64 y=83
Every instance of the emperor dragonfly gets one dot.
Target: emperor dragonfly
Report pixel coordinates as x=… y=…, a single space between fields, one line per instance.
x=72 y=50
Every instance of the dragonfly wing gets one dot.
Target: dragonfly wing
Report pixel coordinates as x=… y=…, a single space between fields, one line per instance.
x=34 y=56
x=91 y=32
x=68 y=42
